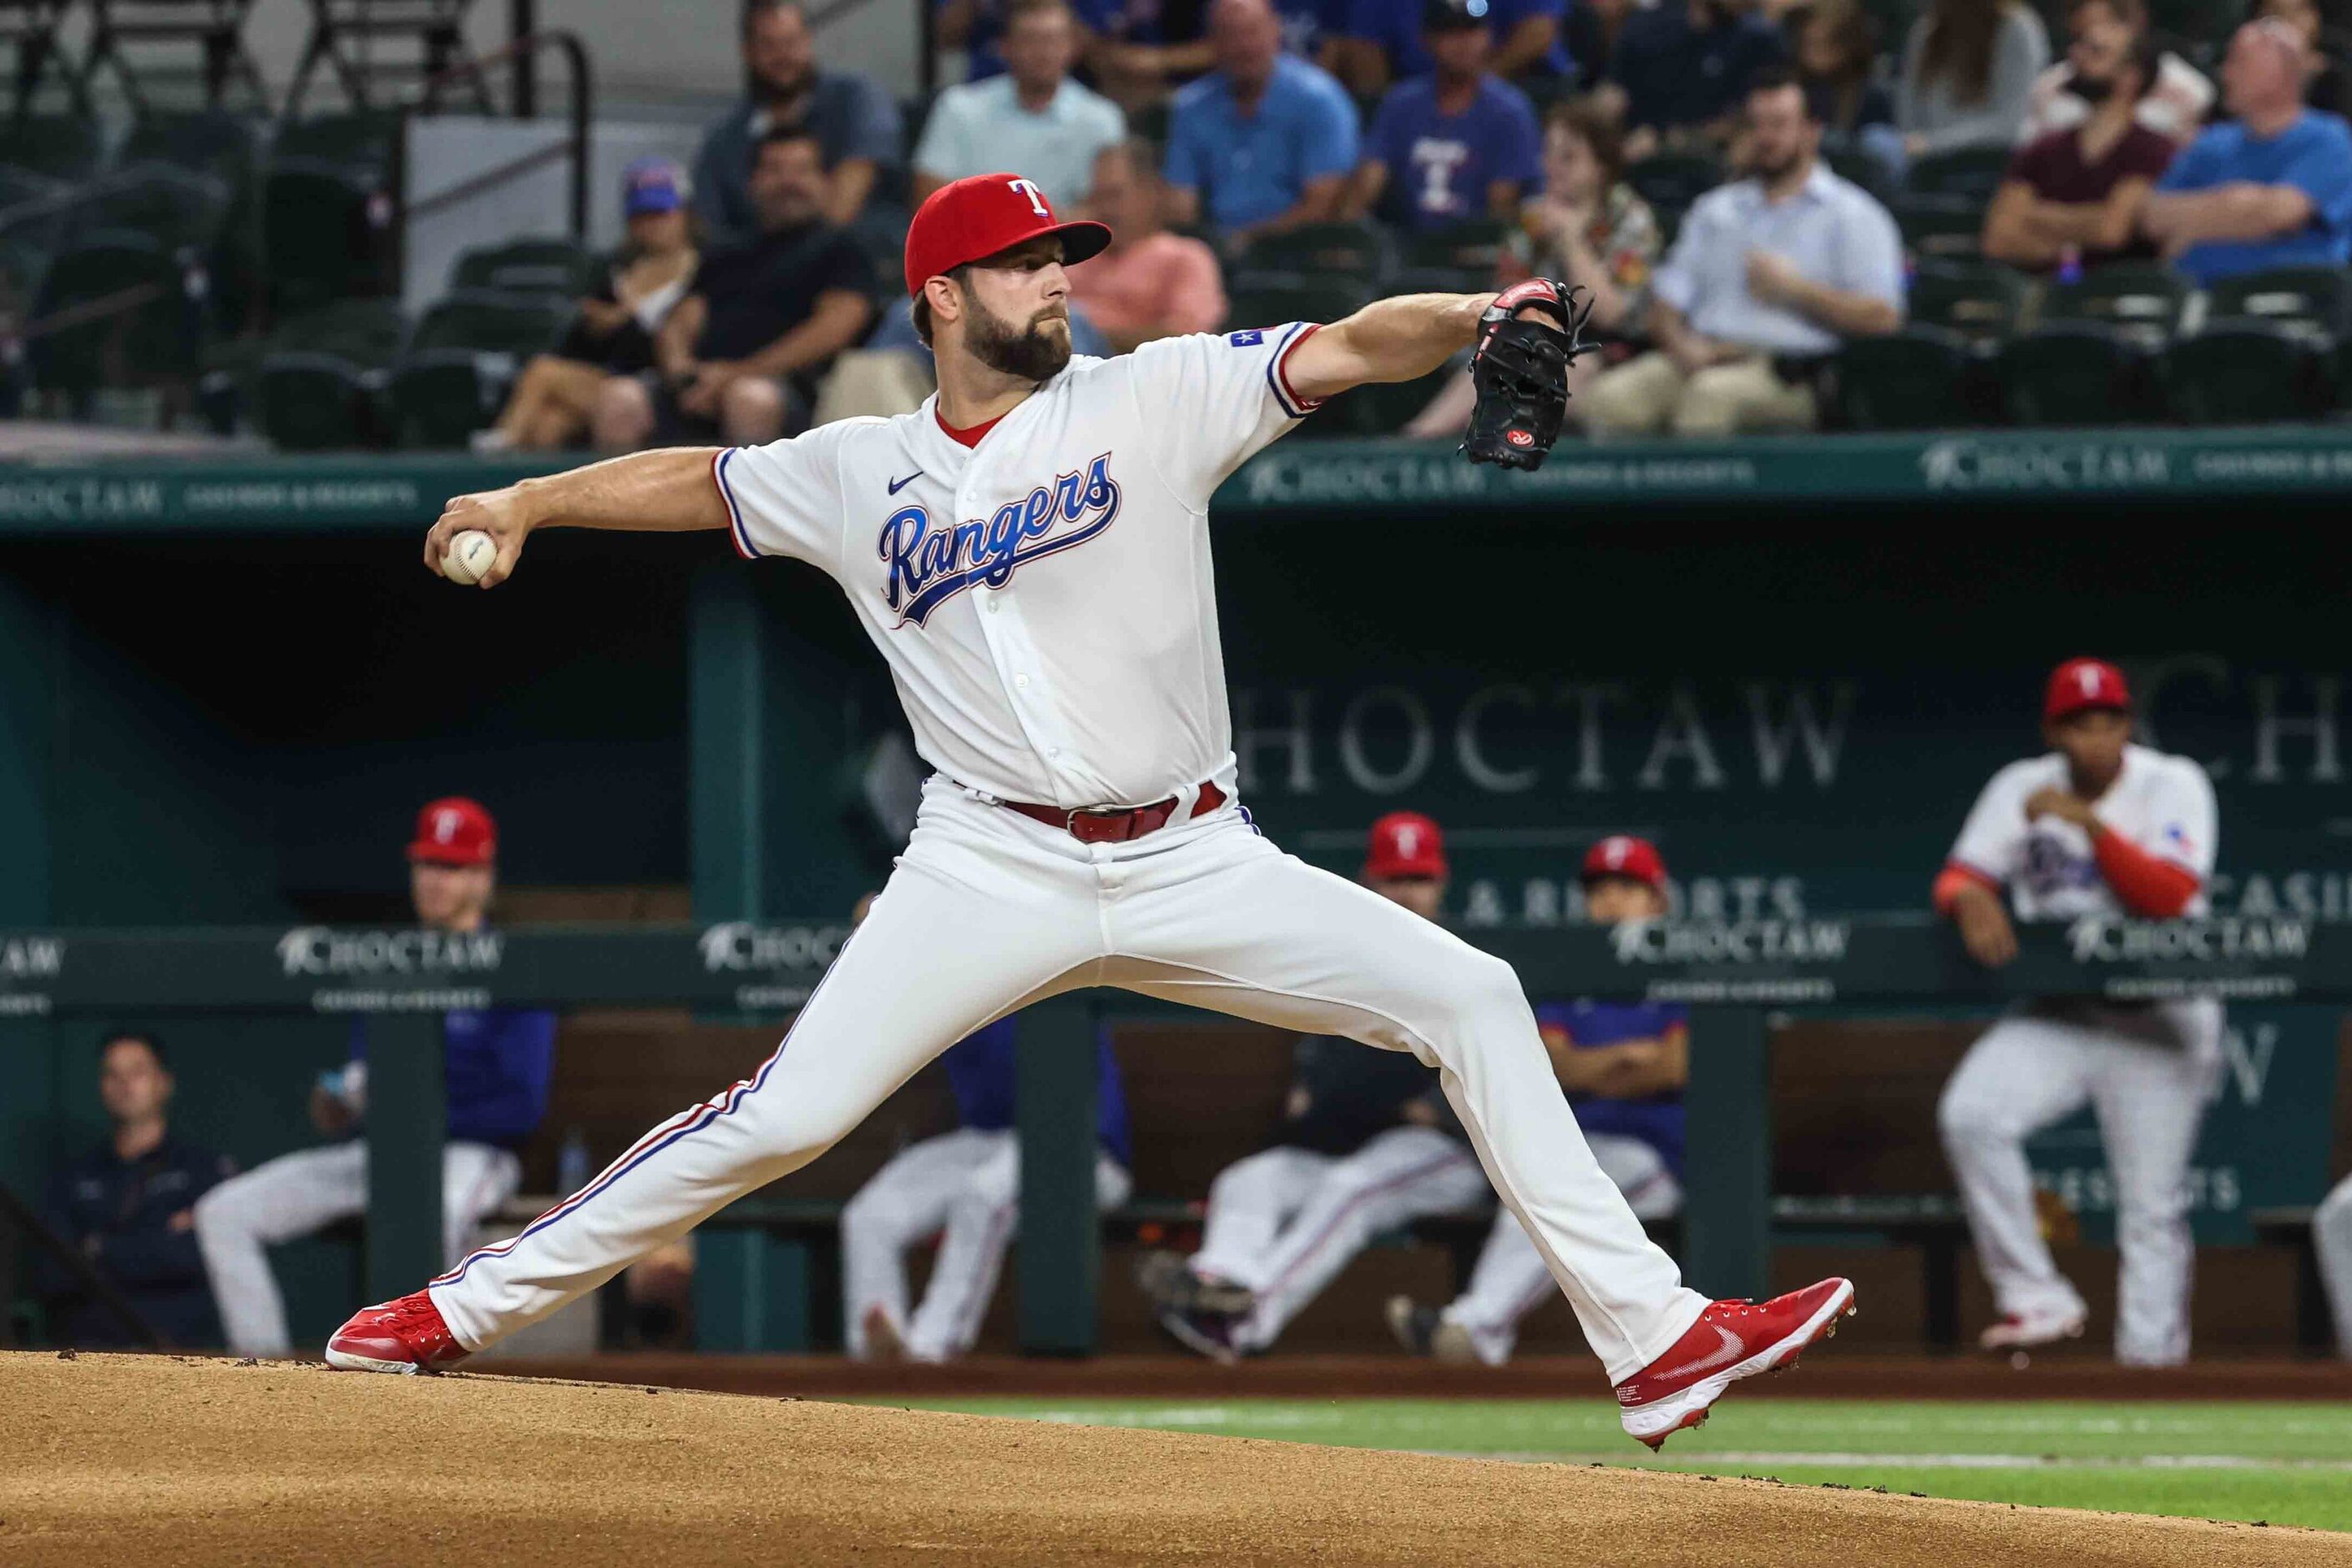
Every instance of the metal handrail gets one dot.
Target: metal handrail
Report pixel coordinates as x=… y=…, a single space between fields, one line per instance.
x=575 y=147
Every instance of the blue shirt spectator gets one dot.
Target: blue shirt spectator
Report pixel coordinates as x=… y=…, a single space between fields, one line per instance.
x=1690 y=65
x=1656 y=1119
x=982 y=1071
x=1033 y=118
x=2272 y=189
x=1266 y=139
x=1394 y=28
x=497 y=1064
x=1448 y=147
x=856 y=123
x=127 y=1208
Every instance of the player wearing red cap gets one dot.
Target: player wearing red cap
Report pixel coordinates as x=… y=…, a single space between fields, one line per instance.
x=497 y=1066
x=2095 y=827
x=1365 y=1146
x=1624 y=1066
x=1029 y=552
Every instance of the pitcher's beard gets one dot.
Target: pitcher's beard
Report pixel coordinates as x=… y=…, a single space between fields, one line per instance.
x=1034 y=354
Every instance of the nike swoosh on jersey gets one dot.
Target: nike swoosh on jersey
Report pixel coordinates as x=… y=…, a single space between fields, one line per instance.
x=897 y=485
x=1722 y=1354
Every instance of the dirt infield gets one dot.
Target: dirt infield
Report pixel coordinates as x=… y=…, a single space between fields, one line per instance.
x=170 y=1460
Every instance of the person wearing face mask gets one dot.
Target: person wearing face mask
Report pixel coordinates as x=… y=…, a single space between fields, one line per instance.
x=2077 y=194
x=2174 y=102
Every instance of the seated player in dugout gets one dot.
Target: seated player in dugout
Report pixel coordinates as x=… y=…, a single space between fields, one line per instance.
x=1367 y=1143
x=963 y=1187
x=1623 y=1066
x=496 y=1066
x=2096 y=827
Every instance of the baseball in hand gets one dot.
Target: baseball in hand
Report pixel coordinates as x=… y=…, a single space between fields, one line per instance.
x=470 y=555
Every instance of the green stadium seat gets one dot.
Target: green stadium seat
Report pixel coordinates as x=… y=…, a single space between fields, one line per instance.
x=1980 y=300
x=463 y=354
x=536 y=266
x=1382 y=408
x=206 y=141
x=1324 y=250
x=1273 y=304
x=1853 y=163
x=61 y=146
x=2146 y=304
x=184 y=210
x=2239 y=371
x=326 y=212
x=1971 y=174
x=1460 y=259
x=1943 y=227
x=1920 y=378
x=131 y=314
x=317 y=401
x=1674 y=180
x=2077 y=373
x=2315 y=300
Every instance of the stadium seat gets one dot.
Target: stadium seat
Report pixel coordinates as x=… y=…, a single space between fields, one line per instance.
x=206 y=141
x=2146 y=304
x=1920 y=378
x=1460 y=259
x=2239 y=370
x=1673 y=181
x=1273 y=304
x=1382 y=408
x=463 y=354
x=1317 y=250
x=180 y=209
x=117 y=309
x=1853 y=163
x=327 y=210
x=1981 y=301
x=536 y=266
x=2077 y=373
x=2313 y=301
x=1971 y=174
x=1940 y=226
x=320 y=383
x=60 y=146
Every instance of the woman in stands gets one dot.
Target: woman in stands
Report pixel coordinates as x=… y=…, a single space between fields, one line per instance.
x=1587 y=224
x=614 y=333
x=1968 y=70
x=1835 y=46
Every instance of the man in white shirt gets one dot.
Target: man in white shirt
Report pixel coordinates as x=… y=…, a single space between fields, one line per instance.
x=2096 y=828
x=1029 y=552
x=1769 y=274
x=1033 y=117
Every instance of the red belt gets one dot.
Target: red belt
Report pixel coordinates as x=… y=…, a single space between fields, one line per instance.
x=1116 y=825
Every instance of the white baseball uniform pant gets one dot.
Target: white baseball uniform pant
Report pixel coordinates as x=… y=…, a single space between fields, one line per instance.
x=2331 y=1234
x=1284 y=1222
x=965 y=1186
x=2027 y=1072
x=989 y=912
x=1511 y=1279
x=307 y=1191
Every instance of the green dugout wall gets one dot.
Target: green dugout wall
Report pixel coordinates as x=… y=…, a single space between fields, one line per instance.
x=222 y=691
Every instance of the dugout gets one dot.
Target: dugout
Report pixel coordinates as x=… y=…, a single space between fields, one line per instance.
x=224 y=690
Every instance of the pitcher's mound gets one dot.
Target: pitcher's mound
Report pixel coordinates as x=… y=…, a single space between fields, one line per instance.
x=168 y=1459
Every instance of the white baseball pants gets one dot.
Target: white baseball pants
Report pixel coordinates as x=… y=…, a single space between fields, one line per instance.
x=1284 y=1222
x=2027 y=1072
x=2331 y=1230
x=307 y=1191
x=989 y=912
x=1510 y=1281
x=965 y=1185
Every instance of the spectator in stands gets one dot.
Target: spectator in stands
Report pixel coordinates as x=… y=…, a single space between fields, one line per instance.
x=2326 y=84
x=2105 y=31
x=1455 y=144
x=1590 y=32
x=1032 y=118
x=1137 y=60
x=1684 y=69
x=1390 y=41
x=1767 y=275
x=495 y=1066
x=964 y=1187
x=1149 y=283
x=614 y=334
x=2076 y=195
x=1587 y=227
x=1263 y=143
x=1968 y=69
x=2273 y=187
x=975 y=27
x=854 y=120
x=1835 y=46
x=128 y=1207
x=738 y=359
x=1366 y=1144
x=1624 y=1066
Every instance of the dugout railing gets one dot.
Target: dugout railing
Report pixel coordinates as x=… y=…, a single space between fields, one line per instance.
x=1735 y=977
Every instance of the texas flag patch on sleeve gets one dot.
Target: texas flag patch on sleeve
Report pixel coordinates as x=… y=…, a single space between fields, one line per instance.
x=1249 y=338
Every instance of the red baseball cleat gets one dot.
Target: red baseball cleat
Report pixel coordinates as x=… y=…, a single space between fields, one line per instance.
x=1731 y=1340
x=407 y=1335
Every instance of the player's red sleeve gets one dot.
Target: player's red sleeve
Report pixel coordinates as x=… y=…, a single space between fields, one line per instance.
x=2148 y=885
x=1953 y=879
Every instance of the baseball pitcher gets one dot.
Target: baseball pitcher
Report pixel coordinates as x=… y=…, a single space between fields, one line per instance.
x=1029 y=552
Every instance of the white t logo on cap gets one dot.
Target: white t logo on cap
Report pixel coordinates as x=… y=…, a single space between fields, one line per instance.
x=1407 y=838
x=444 y=826
x=1036 y=197
x=2090 y=680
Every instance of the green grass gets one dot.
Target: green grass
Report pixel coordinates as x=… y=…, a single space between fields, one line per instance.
x=2285 y=1463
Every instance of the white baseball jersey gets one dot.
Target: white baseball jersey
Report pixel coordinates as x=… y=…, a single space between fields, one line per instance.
x=1043 y=599
x=2161 y=803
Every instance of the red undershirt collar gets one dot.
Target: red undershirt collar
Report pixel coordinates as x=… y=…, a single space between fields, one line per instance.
x=964 y=437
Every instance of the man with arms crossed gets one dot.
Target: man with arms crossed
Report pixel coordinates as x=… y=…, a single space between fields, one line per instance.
x=1030 y=553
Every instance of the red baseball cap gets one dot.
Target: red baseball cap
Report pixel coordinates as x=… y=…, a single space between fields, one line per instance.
x=1405 y=844
x=973 y=218
x=1623 y=855
x=455 y=831
x=2080 y=683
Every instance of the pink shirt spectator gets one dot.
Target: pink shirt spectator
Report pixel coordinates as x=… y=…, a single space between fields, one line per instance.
x=1158 y=286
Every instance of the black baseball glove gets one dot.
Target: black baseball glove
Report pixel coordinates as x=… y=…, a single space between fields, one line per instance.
x=1520 y=371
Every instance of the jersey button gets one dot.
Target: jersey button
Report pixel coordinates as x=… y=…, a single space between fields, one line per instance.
x=992 y=604
x=1022 y=681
